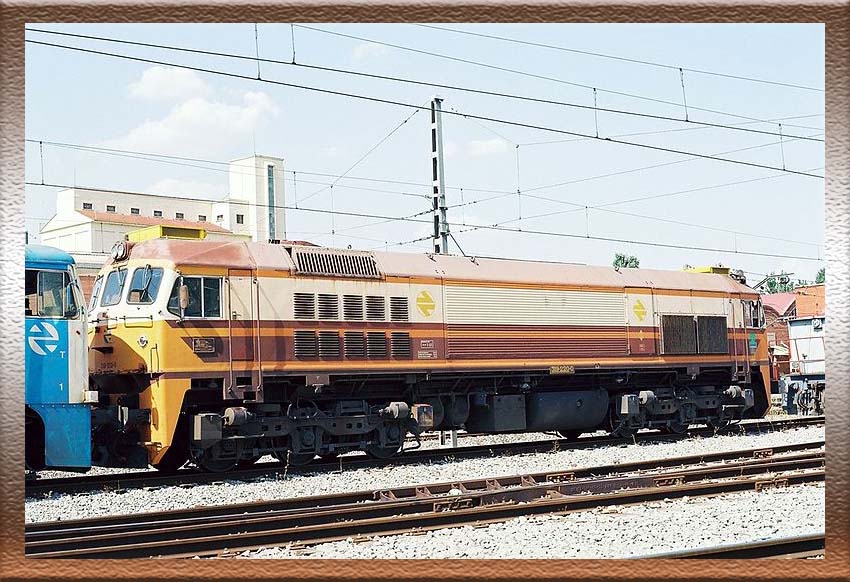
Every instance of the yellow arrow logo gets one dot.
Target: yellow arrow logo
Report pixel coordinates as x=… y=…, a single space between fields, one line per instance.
x=639 y=310
x=425 y=303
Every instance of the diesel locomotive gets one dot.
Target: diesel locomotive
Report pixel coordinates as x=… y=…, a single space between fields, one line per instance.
x=221 y=352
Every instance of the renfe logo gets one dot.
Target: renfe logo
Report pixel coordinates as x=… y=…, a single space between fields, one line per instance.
x=49 y=338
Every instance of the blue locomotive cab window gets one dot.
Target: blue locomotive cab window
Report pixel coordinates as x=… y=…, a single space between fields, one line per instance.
x=50 y=294
x=144 y=285
x=204 y=295
x=113 y=287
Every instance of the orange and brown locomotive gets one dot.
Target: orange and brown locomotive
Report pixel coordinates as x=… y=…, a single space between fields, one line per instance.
x=222 y=352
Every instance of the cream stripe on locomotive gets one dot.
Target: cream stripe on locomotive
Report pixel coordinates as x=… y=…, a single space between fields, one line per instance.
x=505 y=306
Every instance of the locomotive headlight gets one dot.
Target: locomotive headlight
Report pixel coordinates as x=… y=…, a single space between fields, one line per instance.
x=143 y=340
x=119 y=251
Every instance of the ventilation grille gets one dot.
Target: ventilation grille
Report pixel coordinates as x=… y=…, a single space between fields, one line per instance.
x=305 y=306
x=679 y=334
x=399 y=310
x=376 y=308
x=355 y=344
x=688 y=334
x=306 y=344
x=328 y=306
x=329 y=344
x=352 y=306
x=376 y=344
x=712 y=335
x=400 y=344
x=335 y=263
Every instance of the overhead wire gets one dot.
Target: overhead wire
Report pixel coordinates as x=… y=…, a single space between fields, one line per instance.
x=413 y=81
x=494 y=227
x=523 y=73
x=621 y=58
x=414 y=106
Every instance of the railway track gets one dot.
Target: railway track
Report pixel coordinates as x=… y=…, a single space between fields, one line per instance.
x=226 y=530
x=795 y=547
x=190 y=476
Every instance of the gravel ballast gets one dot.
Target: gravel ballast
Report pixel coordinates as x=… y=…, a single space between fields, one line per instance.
x=63 y=507
x=610 y=532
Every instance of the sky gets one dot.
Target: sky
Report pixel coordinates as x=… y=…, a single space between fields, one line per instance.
x=684 y=201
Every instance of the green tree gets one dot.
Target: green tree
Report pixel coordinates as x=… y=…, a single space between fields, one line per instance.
x=626 y=261
x=821 y=276
x=780 y=283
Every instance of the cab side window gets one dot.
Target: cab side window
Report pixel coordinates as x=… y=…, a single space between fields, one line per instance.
x=204 y=297
x=49 y=294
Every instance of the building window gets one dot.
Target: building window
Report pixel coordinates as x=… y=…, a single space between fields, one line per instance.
x=202 y=218
x=219 y=218
x=134 y=211
x=240 y=219
x=157 y=213
x=271 y=193
x=110 y=208
x=178 y=215
x=87 y=206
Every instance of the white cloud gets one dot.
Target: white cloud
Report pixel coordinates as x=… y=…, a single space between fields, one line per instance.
x=168 y=84
x=200 y=126
x=188 y=188
x=367 y=50
x=486 y=147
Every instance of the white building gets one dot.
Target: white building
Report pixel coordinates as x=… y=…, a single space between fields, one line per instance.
x=88 y=221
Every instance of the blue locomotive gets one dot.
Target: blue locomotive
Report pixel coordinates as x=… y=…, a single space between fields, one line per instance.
x=58 y=415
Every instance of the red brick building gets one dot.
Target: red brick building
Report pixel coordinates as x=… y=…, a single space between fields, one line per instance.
x=778 y=309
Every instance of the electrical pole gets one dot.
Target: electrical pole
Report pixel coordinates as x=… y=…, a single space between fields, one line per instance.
x=441 y=225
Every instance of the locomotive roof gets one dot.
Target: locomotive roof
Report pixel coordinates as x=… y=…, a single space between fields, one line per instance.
x=263 y=256
x=46 y=256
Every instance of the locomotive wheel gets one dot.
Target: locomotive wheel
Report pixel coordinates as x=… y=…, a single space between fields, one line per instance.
x=570 y=435
x=289 y=458
x=210 y=460
x=677 y=428
x=377 y=451
x=718 y=424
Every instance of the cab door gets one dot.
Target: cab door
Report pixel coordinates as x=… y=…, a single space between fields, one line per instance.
x=244 y=333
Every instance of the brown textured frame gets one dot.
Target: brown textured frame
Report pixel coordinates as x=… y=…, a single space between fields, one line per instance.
x=835 y=14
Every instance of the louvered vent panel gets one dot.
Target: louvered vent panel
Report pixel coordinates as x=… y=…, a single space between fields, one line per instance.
x=399 y=310
x=376 y=344
x=352 y=306
x=712 y=335
x=329 y=344
x=328 y=306
x=335 y=263
x=400 y=344
x=304 y=305
x=376 y=308
x=355 y=344
x=679 y=334
x=306 y=345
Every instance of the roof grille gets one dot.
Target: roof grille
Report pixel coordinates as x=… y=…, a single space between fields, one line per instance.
x=335 y=263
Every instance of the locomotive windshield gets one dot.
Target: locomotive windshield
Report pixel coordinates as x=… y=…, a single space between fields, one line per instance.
x=144 y=285
x=114 y=286
x=50 y=294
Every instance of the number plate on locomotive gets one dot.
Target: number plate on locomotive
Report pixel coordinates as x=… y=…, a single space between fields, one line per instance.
x=203 y=345
x=563 y=369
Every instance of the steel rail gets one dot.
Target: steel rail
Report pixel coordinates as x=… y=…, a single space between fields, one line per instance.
x=804 y=546
x=424 y=509
x=152 y=479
